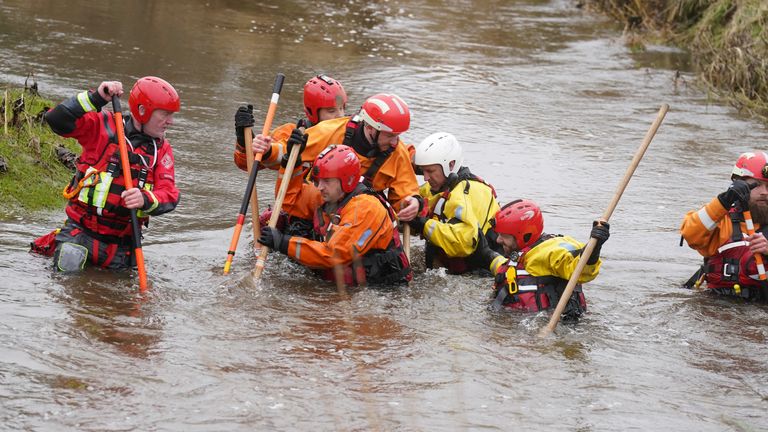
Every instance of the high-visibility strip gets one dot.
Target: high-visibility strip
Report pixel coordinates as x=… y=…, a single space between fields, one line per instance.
x=707 y=221
x=155 y=202
x=364 y=238
x=85 y=102
x=298 y=249
x=100 y=193
x=732 y=245
x=430 y=230
x=458 y=213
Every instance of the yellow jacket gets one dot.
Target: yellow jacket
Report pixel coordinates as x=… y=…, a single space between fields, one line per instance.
x=456 y=218
x=557 y=256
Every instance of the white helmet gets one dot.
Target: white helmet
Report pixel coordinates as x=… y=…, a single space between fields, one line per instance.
x=440 y=148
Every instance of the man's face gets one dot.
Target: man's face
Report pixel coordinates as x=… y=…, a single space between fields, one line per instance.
x=433 y=174
x=158 y=123
x=508 y=242
x=330 y=113
x=386 y=140
x=758 y=201
x=330 y=189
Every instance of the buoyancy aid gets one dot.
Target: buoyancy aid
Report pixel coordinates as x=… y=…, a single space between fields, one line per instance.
x=517 y=289
x=733 y=270
x=435 y=256
x=94 y=192
x=379 y=267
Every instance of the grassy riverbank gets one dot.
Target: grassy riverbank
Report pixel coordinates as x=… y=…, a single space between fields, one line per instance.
x=728 y=41
x=32 y=173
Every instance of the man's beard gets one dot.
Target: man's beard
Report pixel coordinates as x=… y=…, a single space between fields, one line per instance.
x=759 y=212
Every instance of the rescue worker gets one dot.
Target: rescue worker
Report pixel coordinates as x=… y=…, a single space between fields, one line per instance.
x=353 y=221
x=537 y=266
x=324 y=99
x=374 y=135
x=98 y=228
x=718 y=232
x=459 y=206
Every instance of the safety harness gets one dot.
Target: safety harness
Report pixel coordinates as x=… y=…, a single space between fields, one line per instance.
x=520 y=290
x=456 y=265
x=732 y=270
x=96 y=188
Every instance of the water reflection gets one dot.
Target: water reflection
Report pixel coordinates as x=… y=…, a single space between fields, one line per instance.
x=106 y=307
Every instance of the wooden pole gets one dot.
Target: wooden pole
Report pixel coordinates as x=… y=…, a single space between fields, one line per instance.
x=262 y=258
x=555 y=318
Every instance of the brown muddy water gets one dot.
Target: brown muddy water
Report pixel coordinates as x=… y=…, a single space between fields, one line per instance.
x=549 y=105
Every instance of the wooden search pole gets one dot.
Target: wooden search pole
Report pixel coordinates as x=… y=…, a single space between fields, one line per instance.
x=262 y=258
x=585 y=254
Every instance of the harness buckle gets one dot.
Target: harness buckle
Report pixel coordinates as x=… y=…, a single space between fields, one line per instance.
x=512 y=287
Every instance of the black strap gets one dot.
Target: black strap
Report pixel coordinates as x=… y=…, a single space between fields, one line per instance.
x=370 y=173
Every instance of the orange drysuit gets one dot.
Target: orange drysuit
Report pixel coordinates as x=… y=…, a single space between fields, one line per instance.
x=395 y=175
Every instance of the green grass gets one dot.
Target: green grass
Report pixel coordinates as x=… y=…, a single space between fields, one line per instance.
x=35 y=177
x=728 y=41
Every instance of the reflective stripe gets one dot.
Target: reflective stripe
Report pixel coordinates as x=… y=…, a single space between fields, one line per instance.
x=732 y=245
x=155 y=202
x=439 y=207
x=430 y=230
x=527 y=287
x=458 y=213
x=707 y=221
x=298 y=248
x=750 y=225
x=85 y=102
x=363 y=238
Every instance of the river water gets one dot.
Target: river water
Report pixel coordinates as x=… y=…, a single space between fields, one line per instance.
x=548 y=103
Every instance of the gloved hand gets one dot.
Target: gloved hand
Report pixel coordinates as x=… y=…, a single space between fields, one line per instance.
x=266 y=215
x=274 y=239
x=737 y=193
x=297 y=138
x=485 y=255
x=417 y=224
x=243 y=119
x=600 y=232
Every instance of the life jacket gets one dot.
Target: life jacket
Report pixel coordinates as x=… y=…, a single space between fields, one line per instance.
x=534 y=293
x=435 y=256
x=377 y=266
x=733 y=270
x=94 y=193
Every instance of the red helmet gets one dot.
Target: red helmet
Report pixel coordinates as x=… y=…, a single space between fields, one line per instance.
x=386 y=113
x=153 y=93
x=521 y=219
x=322 y=92
x=752 y=164
x=341 y=162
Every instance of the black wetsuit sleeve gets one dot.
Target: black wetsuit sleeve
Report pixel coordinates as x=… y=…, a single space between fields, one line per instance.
x=63 y=116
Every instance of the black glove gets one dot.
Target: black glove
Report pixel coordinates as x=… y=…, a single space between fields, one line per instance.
x=274 y=239
x=243 y=119
x=297 y=138
x=600 y=232
x=417 y=224
x=737 y=193
x=485 y=255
